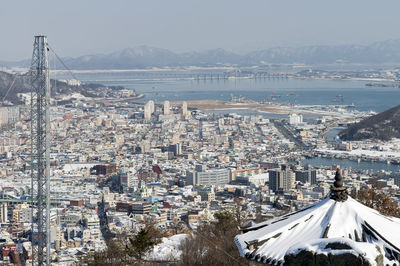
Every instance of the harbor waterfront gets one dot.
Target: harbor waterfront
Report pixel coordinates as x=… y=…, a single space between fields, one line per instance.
x=157 y=86
x=165 y=85
x=352 y=164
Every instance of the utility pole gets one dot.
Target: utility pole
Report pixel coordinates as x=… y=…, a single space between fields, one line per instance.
x=40 y=151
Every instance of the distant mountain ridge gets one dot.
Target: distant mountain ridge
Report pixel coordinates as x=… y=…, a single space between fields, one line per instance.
x=383 y=126
x=147 y=57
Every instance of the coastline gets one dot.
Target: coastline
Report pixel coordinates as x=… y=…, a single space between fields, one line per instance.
x=291 y=75
x=127 y=99
x=207 y=105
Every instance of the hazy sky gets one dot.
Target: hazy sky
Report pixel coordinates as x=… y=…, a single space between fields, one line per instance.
x=78 y=27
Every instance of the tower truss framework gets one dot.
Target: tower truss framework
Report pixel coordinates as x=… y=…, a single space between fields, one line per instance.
x=40 y=151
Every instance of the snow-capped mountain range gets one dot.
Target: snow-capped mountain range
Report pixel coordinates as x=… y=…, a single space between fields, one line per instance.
x=146 y=57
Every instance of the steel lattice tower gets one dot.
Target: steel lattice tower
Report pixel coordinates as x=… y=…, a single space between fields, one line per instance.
x=40 y=151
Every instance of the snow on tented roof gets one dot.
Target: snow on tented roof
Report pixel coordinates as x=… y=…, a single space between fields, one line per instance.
x=312 y=228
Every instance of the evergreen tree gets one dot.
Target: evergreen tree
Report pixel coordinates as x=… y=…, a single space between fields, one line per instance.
x=141 y=243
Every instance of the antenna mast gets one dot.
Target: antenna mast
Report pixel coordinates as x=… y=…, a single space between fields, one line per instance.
x=40 y=151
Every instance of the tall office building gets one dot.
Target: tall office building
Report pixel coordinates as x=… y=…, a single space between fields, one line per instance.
x=147 y=113
x=167 y=108
x=281 y=179
x=289 y=179
x=151 y=103
x=312 y=173
x=184 y=108
x=307 y=176
x=176 y=148
x=148 y=110
x=275 y=180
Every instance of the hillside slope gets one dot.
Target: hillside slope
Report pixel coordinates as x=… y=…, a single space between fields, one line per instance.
x=383 y=126
x=20 y=83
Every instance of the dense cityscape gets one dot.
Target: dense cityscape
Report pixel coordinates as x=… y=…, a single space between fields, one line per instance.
x=117 y=166
x=200 y=133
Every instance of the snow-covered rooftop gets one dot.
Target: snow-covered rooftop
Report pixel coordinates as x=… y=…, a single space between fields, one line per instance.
x=358 y=228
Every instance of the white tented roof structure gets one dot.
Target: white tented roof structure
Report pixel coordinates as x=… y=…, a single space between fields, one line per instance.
x=320 y=228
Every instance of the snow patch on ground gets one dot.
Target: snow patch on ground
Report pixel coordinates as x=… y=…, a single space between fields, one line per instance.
x=78 y=166
x=168 y=249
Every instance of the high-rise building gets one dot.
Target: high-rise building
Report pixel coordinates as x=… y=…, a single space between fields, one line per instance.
x=295 y=119
x=148 y=110
x=13 y=114
x=151 y=103
x=22 y=213
x=4 y=212
x=125 y=178
x=3 y=116
x=307 y=176
x=147 y=114
x=166 y=108
x=289 y=179
x=281 y=179
x=176 y=148
x=184 y=108
x=9 y=115
x=275 y=180
x=312 y=176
